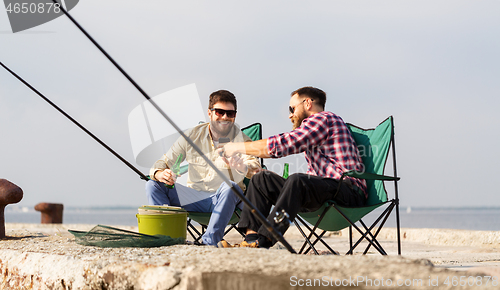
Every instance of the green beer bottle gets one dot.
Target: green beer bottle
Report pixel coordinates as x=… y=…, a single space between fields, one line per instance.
x=176 y=169
x=285 y=171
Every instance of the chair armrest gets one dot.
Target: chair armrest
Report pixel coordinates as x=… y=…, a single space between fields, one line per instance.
x=366 y=175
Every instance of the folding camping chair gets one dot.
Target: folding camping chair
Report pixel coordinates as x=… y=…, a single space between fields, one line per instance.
x=373 y=145
x=253 y=131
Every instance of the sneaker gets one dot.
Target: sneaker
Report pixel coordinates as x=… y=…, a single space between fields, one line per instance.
x=244 y=244
x=224 y=244
x=198 y=244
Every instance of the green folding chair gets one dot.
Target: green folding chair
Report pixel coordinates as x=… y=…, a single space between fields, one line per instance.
x=373 y=145
x=253 y=131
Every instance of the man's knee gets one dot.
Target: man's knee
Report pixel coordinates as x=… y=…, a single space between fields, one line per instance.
x=263 y=176
x=296 y=178
x=154 y=188
x=151 y=186
x=227 y=190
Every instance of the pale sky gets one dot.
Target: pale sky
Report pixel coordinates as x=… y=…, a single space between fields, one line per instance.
x=433 y=65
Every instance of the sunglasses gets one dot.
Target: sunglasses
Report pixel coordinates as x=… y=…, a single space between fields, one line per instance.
x=221 y=112
x=292 y=109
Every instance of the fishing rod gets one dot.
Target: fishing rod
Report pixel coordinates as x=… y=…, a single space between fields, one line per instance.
x=277 y=235
x=75 y=122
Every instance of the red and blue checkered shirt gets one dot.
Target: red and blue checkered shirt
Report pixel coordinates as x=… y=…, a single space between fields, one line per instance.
x=328 y=146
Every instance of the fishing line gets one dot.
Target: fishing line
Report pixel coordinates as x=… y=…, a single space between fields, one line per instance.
x=277 y=235
x=75 y=122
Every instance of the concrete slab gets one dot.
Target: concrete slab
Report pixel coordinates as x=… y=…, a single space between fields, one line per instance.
x=46 y=257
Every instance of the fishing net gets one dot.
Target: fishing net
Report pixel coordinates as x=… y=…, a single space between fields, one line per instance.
x=109 y=237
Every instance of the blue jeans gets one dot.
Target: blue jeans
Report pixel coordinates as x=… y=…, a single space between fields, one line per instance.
x=221 y=204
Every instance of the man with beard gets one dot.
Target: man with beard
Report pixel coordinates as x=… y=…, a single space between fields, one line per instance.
x=329 y=149
x=205 y=190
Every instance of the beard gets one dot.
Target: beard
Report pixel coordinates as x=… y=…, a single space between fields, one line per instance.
x=221 y=128
x=297 y=120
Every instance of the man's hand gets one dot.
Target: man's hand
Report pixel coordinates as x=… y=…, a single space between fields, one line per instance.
x=166 y=176
x=255 y=148
x=237 y=163
x=231 y=149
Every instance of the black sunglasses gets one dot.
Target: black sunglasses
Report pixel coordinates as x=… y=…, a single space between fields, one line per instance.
x=221 y=112
x=292 y=110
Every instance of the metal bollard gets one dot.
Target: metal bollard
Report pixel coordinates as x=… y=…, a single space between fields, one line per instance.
x=9 y=193
x=52 y=213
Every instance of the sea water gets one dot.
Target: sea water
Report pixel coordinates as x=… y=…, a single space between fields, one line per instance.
x=92 y=215
x=478 y=218
x=484 y=219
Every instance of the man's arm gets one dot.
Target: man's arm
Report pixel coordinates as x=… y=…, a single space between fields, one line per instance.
x=161 y=169
x=255 y=148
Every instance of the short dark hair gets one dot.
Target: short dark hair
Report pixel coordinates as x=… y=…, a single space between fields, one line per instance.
x=317 y=95
x=221 y=96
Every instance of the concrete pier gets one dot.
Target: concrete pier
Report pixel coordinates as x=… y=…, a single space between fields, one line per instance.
x=46 y=257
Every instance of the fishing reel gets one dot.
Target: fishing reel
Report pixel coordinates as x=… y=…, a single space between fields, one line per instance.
x=281 y=216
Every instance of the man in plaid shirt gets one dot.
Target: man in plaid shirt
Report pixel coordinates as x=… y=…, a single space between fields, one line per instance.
x=329 y=149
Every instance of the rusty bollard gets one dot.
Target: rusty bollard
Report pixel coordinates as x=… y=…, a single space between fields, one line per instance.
x=9 y=193
x=52 y=213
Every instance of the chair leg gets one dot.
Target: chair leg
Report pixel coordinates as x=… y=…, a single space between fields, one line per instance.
x=315 y=226
x=371 y=242
x=390 y=208
x=350 y=238
x=320 y=239
x=396 y=195
x=374 y=239
x=237 y=214
x=190 y=225
x=191 y=233
x=307 y=239
x=398 y=227
x=357 y=228
x=197 y=239
x=234 y=226
x=228 y=229
x=197 y=235
x=190 y=228
x=385 y=214
x=243 y=235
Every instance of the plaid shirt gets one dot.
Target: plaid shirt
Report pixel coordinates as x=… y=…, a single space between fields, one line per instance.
x=327 y=144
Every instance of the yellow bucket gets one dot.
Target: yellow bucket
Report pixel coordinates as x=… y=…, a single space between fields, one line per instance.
x=173 y=225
